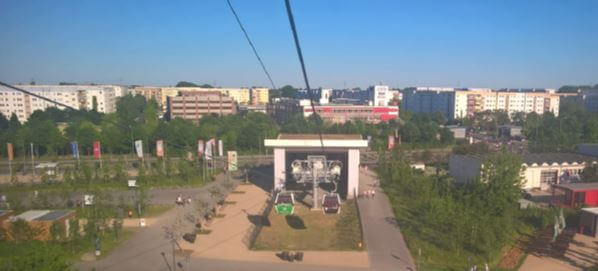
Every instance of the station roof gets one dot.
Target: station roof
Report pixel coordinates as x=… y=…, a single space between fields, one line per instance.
x=324 y=136
x=549 y=158
x=313 y=141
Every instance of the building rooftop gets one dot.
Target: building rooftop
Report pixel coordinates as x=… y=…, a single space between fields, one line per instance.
x=593 y=210
x=313 y=141
x=549 y=158
x=317 y=137
x=42 y=215
x=579 y=186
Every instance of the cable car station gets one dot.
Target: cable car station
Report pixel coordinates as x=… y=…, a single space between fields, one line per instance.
x=300 y=165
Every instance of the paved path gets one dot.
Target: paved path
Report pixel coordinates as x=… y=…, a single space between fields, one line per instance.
x=386 y=247
x=142 y=251
x=581 y=253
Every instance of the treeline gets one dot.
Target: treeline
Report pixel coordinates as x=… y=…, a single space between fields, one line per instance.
x=450 y=223
x=135 y=118
x=546 y=132
x=50 y=131
x=574 y=125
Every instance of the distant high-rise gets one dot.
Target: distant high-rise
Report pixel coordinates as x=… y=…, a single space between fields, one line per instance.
x=103 y=97
x=461 y=103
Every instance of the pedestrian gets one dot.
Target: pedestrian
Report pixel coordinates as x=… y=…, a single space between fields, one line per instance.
x=373 y=193
x=179 y=199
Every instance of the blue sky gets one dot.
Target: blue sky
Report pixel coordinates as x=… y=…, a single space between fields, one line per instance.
x=515 y=43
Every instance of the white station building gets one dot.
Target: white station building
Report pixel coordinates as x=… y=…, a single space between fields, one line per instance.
x=342 y=147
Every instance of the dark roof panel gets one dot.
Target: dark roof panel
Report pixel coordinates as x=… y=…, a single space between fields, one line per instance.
x=53 y=215
x=579 y=186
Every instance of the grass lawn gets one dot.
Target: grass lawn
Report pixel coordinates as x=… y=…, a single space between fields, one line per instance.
x=312 y=230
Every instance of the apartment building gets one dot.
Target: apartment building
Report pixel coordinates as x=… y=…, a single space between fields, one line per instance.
x=260 y=96
x=193 y=105
x=75 y=96
x=461 y=103
x=239 y=95
x=380 y=95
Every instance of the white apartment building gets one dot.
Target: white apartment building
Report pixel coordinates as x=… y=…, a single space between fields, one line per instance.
x=467 y=102
x=461 y=103
x=242 y=96
x=380 y=95
x=76 y=96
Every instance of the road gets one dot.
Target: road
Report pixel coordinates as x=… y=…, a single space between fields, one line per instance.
x=386 y=247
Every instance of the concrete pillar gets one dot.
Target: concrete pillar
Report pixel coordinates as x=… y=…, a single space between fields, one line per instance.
x=352 y=173
x=279 y=168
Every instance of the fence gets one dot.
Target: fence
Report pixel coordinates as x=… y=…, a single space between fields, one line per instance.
x=356 y=197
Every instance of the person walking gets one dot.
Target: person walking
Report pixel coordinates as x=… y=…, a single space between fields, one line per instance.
x=373 y=193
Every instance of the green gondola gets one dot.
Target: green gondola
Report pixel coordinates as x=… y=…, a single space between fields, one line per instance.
x=284 y=204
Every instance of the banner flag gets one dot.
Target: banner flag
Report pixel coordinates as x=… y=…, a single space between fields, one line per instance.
x=391 y=142
x=139 y=148
x=75 y=149
x=220 y=148
x=160 y=148
x=97 y=152
x=209 y=149
x=200 y=149
x=10 y=151
x=232 y=160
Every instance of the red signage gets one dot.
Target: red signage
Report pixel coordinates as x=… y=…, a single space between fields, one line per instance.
x=160 y=148
x=97 y=153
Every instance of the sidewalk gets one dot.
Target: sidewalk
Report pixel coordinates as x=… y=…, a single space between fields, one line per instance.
x=386 y=247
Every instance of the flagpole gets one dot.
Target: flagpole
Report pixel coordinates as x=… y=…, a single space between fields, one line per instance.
x=32 y=159
x=10 y=168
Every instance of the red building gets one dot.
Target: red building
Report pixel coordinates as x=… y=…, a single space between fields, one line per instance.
x=575 y=194
x=344 y=113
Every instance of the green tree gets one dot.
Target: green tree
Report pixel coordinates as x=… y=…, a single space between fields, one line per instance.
x=288 y=91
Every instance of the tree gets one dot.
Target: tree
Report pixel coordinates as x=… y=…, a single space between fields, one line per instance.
x=590 y=173
x=182 y=84
x=94 y=103
x=288 y=91
x=4 y=123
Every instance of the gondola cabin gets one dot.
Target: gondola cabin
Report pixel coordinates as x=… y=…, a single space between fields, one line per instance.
x=331 y=203
x=284 y=203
